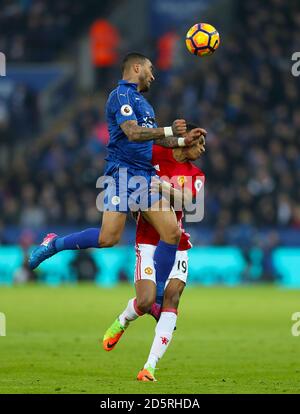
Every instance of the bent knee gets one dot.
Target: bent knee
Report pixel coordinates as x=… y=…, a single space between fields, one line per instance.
x=173 y=293
x=171 y=299
x=173 y=236
x=144 y=304
x=108 y=240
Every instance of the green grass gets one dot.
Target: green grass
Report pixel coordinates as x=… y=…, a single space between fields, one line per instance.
x=229 y=340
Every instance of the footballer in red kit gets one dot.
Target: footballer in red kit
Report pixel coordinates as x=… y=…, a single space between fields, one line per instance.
x=167 y=166
x=181 y=180
x=182 y=174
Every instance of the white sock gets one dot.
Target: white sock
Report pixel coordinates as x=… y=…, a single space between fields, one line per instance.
x=163 y=335
x=130 y=313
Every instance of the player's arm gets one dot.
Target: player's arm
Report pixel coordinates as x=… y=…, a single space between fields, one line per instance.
x=190 y=139
x=136 y=133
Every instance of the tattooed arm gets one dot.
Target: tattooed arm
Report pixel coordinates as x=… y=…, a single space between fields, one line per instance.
x=136 y=133
x=170 y=142
x=190 y=139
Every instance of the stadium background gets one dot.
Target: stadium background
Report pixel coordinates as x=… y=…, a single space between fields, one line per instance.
x=52 y=149
x=62 y=60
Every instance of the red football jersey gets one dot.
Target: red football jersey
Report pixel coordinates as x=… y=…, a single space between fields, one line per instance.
x=179 y=173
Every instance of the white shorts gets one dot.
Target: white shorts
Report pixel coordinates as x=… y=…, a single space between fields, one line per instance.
x=144 y=264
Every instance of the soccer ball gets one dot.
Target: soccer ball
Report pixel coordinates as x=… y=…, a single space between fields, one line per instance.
x=202 y=39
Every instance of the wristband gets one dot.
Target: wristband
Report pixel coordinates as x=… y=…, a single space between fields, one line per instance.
x=181 y=142
x=168 y=132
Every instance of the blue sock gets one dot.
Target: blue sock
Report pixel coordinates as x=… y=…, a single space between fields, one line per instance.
x=164 y=258
x=81 y=240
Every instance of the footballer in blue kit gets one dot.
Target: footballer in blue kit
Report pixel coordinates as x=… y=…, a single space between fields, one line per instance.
x=132 y=130
x=128 y=162
x=125 y=103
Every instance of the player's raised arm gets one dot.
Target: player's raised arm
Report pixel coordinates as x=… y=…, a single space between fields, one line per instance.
x=136 y=133
x=190 y=139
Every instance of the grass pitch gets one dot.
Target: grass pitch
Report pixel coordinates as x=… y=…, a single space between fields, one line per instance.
x=229 y=340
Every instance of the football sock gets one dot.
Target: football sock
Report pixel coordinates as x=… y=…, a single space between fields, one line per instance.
x=155 y=310
x=81 y=240
x=131 y=313
x=164 y=258
x=163 y=335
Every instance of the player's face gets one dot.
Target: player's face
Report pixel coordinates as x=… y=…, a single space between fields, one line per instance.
x=146 y=76
x=194 y=152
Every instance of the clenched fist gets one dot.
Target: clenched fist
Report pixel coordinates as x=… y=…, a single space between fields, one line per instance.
x=179 y=127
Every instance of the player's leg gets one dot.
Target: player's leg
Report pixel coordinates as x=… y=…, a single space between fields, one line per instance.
x=167 y=321
x=165 y=223
x=113 y=223
x=145 y=296
x=111 y=231
x=172 y=294
x=164 y=329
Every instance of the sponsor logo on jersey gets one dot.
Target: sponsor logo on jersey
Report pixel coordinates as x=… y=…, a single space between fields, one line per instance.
x=149 y=122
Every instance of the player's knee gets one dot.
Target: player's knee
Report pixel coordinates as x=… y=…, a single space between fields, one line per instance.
x=108 y=240
x=173 y=235
x=144 y=304
x=171 y=299
x=173 y=293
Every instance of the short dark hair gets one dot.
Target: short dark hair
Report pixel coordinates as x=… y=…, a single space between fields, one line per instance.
x=132 y=57
x=190 y=126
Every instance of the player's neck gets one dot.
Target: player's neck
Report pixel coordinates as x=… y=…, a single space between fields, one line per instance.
x=179 y=157
x=131 y=79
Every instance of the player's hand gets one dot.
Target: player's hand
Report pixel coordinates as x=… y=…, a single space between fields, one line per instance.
x=194 y=136
x=179 y=127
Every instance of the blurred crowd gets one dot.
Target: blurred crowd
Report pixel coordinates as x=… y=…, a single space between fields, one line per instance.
x=53 y=180
x=19 y=115
x=37 y=30
x=245 y=96
x=248 y=100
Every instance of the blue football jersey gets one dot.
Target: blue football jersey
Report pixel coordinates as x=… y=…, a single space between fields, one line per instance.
x=126 y=103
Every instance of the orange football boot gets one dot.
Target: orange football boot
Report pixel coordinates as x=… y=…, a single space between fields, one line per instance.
x=113 y=335
x=147 y=374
